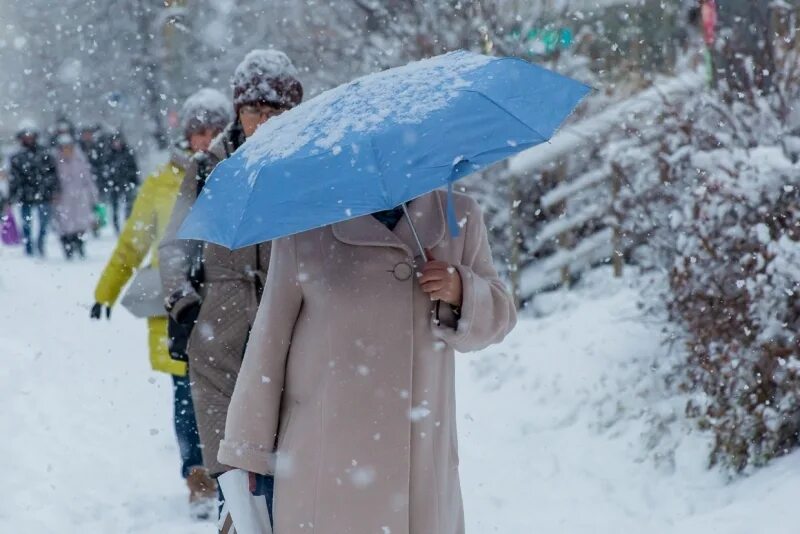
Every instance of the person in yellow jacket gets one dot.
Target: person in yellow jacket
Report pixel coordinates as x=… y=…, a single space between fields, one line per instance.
x=204 y=115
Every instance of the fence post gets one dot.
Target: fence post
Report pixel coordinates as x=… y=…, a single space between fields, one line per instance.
x=514 y=213
x=617 y=178
x=565 y=240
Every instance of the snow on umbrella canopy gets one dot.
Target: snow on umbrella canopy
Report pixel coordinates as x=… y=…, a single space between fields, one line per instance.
x=377 y=142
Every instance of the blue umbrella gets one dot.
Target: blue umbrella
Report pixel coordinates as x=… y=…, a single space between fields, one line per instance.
x=378 y=142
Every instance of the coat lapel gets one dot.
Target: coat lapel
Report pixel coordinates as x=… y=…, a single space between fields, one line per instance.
x=428 y=217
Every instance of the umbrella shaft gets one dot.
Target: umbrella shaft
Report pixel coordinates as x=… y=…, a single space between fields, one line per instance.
x=414 y=232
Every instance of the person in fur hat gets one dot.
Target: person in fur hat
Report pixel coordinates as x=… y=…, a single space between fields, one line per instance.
x=213 y=292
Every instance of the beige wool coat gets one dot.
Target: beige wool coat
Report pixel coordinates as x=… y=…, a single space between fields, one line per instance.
x=346 y=393
x=229 y=296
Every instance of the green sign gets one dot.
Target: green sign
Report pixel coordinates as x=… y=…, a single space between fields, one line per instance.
x=547 y=40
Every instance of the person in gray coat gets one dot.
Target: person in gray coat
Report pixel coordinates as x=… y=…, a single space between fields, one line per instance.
x=213 y=292
x=73 y=206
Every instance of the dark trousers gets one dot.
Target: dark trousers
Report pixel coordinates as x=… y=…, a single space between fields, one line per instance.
x=28 y=210
x=186 y=426
x=117 y=198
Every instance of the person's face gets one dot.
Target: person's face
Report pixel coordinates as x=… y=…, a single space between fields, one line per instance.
x=253 y=116
x=200 y=141
x=28 y=139
x=67 y=150
x=87 y=137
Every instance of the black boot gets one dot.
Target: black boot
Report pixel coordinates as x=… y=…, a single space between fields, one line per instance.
x=66 y=243
x=78 y=243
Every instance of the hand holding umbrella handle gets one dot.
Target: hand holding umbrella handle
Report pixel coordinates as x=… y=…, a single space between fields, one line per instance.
x=422 y=251
x=442 y=282
x=438 y=277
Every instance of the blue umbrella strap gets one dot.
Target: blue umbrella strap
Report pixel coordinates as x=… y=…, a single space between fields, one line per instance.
x=452 y=220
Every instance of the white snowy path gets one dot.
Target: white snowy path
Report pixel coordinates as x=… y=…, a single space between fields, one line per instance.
x=87 y=444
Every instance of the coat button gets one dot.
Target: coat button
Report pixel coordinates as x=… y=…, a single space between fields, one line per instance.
x=403 y=271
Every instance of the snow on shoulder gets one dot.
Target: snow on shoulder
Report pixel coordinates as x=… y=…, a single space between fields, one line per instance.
x=404 y=95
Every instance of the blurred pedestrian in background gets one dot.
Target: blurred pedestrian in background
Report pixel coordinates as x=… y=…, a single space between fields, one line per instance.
x=33 y=184
x=212 y=286
x=74 y=204
x=62 y=126
x=90 y=140
x=93 y=144
x=120 y=178
x=205 y=114
x=9 y=232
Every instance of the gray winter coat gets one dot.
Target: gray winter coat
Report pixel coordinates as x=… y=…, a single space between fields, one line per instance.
x=229 y=295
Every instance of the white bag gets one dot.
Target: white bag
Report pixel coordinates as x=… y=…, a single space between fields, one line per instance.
x=144 y=297
x=248 y=512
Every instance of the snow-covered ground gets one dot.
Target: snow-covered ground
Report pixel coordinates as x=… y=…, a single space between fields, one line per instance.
x=554 y=424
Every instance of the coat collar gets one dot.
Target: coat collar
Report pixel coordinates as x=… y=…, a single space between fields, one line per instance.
x=429 y=220
x=179 y=158
x=226 y=143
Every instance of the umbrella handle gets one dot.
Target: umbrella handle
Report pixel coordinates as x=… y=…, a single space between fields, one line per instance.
x=414 y=232
x=421 y=249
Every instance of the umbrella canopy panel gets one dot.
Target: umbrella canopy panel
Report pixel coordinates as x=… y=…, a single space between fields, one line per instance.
x=378 y=142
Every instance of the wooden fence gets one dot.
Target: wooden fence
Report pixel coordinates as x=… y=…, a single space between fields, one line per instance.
x=576 y=248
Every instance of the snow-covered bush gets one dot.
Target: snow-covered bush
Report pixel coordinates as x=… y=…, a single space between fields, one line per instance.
x=713 y=198
x=734 y=286
x=705 y=189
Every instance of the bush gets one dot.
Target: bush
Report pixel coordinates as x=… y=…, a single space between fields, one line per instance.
x=734 y=288
x=722 y=215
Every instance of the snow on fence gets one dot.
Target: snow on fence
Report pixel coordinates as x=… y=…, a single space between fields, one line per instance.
x=576 y=252
x=593 y=130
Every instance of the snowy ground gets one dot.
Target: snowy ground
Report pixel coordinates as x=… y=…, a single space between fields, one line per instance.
x=553 y=424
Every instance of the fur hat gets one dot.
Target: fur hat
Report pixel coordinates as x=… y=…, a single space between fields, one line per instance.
x=65 y=139
x=266 y=77
x=205 y=109
x=27 y=127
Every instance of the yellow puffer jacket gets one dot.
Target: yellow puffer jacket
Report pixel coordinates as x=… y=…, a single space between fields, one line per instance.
x=142 y=233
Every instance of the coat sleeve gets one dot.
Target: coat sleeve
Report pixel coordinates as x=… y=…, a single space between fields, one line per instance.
x=254 y=412
x=487 y=310
x=132 y=247
x=174 y=255
x=52 y=184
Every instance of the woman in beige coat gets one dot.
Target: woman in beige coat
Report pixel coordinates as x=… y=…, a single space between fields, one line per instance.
x=346 y=393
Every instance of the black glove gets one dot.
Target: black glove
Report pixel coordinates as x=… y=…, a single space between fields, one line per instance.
x=179 y=331
x=97 y=311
